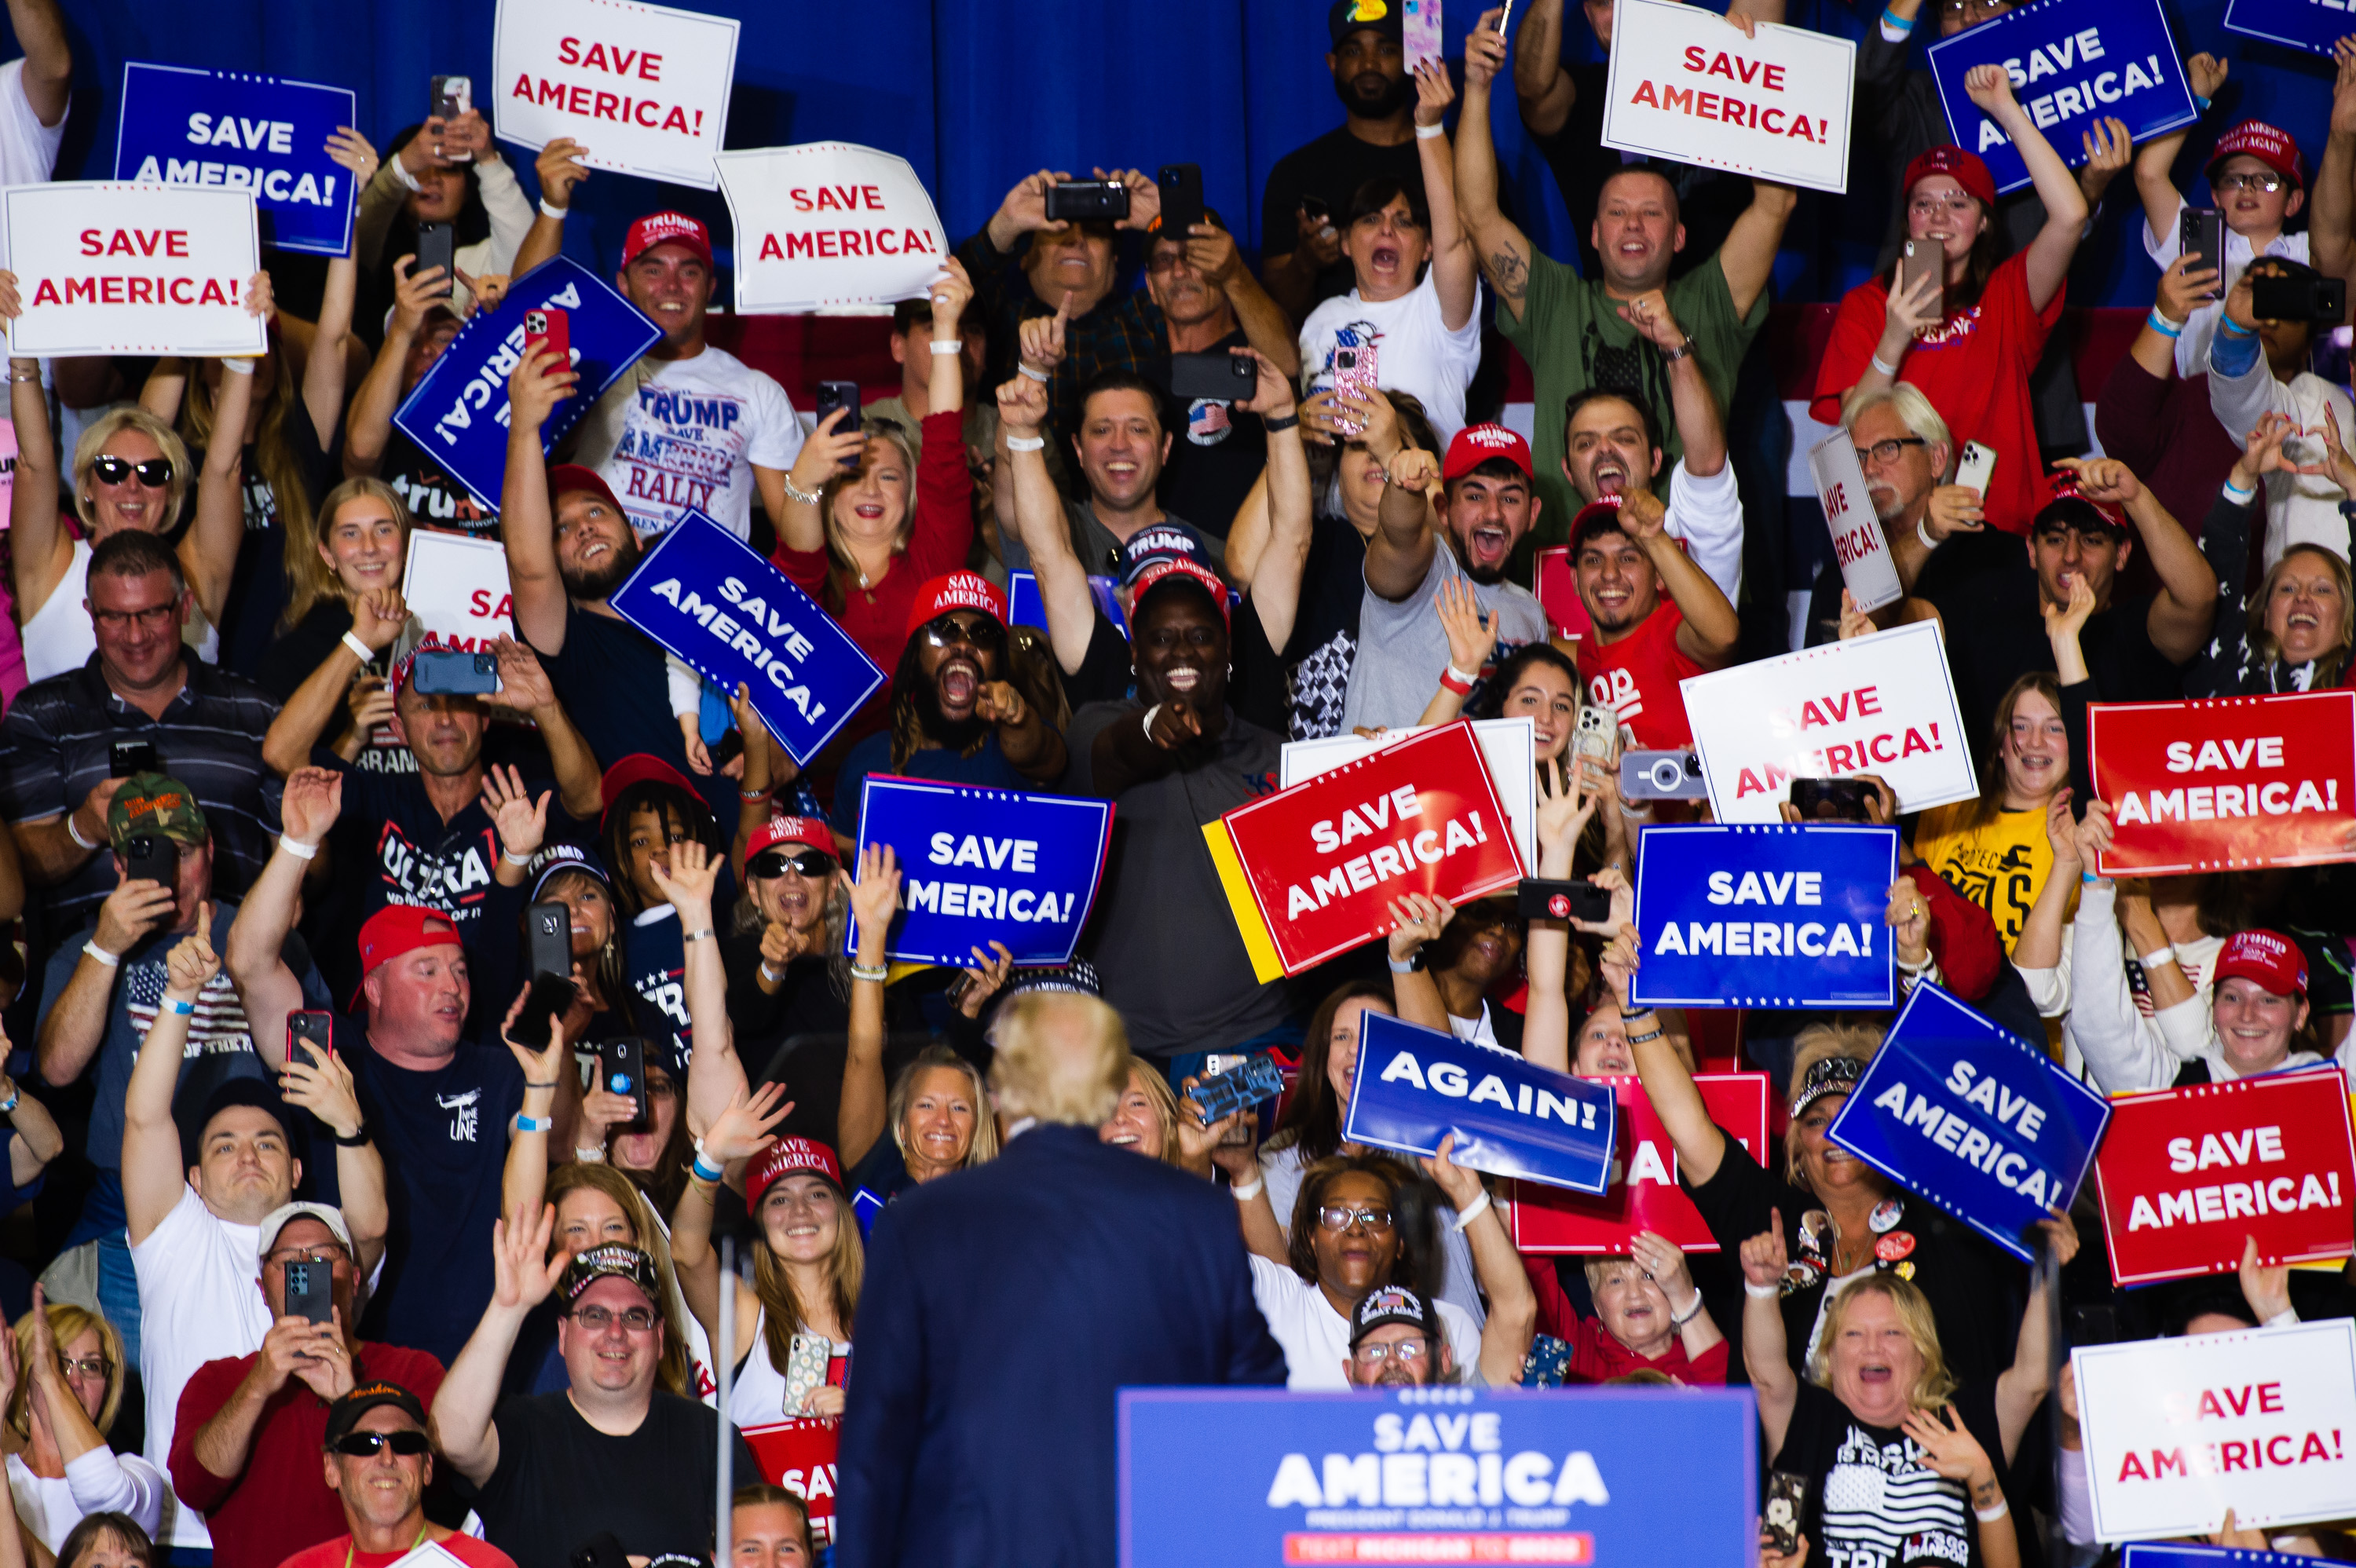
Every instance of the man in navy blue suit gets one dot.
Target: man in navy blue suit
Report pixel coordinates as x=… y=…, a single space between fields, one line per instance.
x=1004 y=1304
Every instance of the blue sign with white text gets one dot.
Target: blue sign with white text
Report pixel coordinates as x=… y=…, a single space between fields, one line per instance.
x=2311 y=25
x=707 y=596
x=458 y=409
x=1604 y=1476
x=1765 y=915
x=978 y=866
x=1511 y=1117
x=235 y=129
x=1981 y=1122
x=2072 y=63
x=1025 y=608
x=2149 y=1554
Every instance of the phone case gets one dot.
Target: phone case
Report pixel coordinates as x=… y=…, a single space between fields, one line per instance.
x=806 y=1362
x=1361 y=376
x=1976 y=467
x=1911 y=266
x=552 y=327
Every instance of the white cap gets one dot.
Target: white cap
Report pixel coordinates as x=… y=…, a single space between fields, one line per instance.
x=281 y=1218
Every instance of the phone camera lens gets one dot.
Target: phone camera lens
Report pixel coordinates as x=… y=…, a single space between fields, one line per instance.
x=1667 y=774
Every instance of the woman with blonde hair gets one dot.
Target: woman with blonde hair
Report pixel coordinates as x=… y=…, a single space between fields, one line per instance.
x=344 y=590
x=2298 y=628
x=61 y=1371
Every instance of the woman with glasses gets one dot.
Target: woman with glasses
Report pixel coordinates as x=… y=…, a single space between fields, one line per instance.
x=62 y=1377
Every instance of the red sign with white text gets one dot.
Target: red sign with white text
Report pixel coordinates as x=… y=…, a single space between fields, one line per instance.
x=1324 y=858
x=2184 y=1175
x=2229 y=783
x=799 y=1454
x=1645 y=1193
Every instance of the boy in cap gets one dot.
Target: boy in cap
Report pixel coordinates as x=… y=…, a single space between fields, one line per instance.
x=377 y=1459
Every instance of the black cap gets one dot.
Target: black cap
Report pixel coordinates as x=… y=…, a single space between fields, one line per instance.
x=1394 y=1303
x=1825 y=1075
x=1348 y=15
x=346 y=1412
x=612 y=1261
x=194 y=1118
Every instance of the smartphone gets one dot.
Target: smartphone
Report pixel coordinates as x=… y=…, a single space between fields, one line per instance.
x=550 y=329
x=622 y=1063
x=1223 y=377
x=451 y=97
x=438 y=246
x=1661 y=775
x=1832 y=800
x=1182 y=197
x=550 y=998
x=125 y=758
x=1598 y=734
x=1925 y=256
x=1976 y=466
x=152 y=858
x=1354 y=370
x=1787 y=1496
x=2200 y=235
x=2096 y=1323
x=834 y=395
x=456 y=672
x=1239 y=1088
x=1420 y=32
x=1086 y=201
x=1505 y=18
x=2299 y=299
x=311 y=1292
x=310 y=1027
x=1315 y=207
x=548 y=940
x=1543 y=898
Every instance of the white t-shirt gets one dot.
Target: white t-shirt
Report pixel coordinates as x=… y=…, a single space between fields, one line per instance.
x=1402 y=648
x=2192 y=346
x=690 y=438
x=1316 y=1338
x=100 y=1481
x=29 y=149
x=1459 y=1286
x=1706 y=514
x=200 y=1300
x=1414 y=352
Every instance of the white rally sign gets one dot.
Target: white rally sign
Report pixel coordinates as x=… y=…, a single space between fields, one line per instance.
x=1866 y=569
x=829 y=224
x=1881 y=704
x=1686 y=86
x=458 y=589
x=644 y=88
x=2262 y=1421
x=104 y=267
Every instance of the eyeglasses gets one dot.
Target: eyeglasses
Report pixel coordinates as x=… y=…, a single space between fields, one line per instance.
x=2265 y=180
x=155 y=618
x=87 y=1366
x=974 y=631
x=156 y=472
x=1334 y=1217
x=811 y=863
x=1407 y=1352
x=1939 y=206
x=365 y=1444
x=597 y=1320
x=1888 y=451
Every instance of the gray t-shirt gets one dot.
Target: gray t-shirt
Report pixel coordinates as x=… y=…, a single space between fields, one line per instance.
x=1163 y=937
x=1099 y=548
x=1402 y=648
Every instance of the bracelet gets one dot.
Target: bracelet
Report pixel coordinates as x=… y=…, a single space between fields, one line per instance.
x=1889 y=370
x=1901 y=26
x=237 y=364
x=533 y=1124
x=299 y=850
x=1921 y=968
x=1636 y=813
x=1271 y=425
x=1033 y=371
x=753 y=797
x=952 y=345
x=26 y=379
x=549 y=210
x=1450 y=680
x=401 y=171
x=795 y=493
x=1923 y=532
x=1990 y=1515
x=112 y=960
x=512 y=858
x=2203 y=102
x=2155 y=958
x=74 y=833
x=774 y=977
x=1245 y=1192
x=183 y=1010
x=878 y=973
x=1026 y=443
x=704 y=1171
x=1762 y=1292
x=1430 y=133
x=1670 y=357
x=702 y=936
x=1646 y=1038
x=2236 y=495
x=360 y=650
x=1635 y=1013
x=2162 y=326
x=1149 y=719
x=2088 y=879
x=362 y=1136
x=1470 y=1212
x=1465 y=676
x=588 y=1155
x=8 y=1105
x=1680 y=1319
x=530 y=1084
x=2227 y=324
x=1411 y=964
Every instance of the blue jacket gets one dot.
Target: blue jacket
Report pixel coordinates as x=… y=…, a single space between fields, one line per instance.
x=1002 y=1307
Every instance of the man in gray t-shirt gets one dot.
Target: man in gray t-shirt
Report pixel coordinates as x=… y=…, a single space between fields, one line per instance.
x=1487 y=506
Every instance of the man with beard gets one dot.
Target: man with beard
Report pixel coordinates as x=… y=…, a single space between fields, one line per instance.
x=1397 y=1341
x=1611 y=445
x=1310 y=187
x=569 y=546
x=956 y=715
x=1121 y=444
x=1908 y=456
x=1621 y=559
x=1485 y=508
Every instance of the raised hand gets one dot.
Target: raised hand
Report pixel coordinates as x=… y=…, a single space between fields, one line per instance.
x=1854 y=623
x=2103 y=479
x=688 y=882
x=523 y=1273
x=314 y=799
x=541 y=381
x=1665 y=1262
x=2109 y=149
x=354 y=151
x=1420 y=919
x=1175 y=724
x=1648 y=313
x=521 y=821
x=1948 y=1446
x=2094 y=833
x=546 y=1064
x=191 y=964
x=320 y=1082
x=1622 y=956
x=1764 y=1258
x=2205 y=74
x=1272 y=397
x=1433 y=91
x=830 y=452
x=522 y=682
x=1042 y=338
x=1990 y=86
x=1484 y=49
x=875 y=895
x=2061 y=829
x=745 y=1128
x=2266 y=1288
x=1472 y=632
x=380 y=616
x=134 y=910
x=1954 y=510
x=1022 y=406
x=1914 y=308
x=1908 y=916
x=415 y=293
x=2185 y=288
x=1462 y=1185
x=983 y=978
x=1564 y=811
x=560 y=169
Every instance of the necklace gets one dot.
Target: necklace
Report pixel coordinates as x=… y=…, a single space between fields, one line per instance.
x=354 y=1545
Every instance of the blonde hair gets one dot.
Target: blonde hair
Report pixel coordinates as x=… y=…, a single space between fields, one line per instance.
x=67 y=1323
x=273 y=453
x=903 y=1089
x=2331 y=666
x=676 y=1372
x=95 y=436
x=1935 y=1384
x=1062 y=1057
x=874 y=429
x=1914 y=410
x=1810 y=1046
x=309 y=578
x=846 y=1269
x=1157 y=1092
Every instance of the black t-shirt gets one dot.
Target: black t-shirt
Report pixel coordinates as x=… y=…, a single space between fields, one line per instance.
x=1330 y=168
x=257 y=586
x=1312 y=680
x=297 y=657
x=1215 y=453
x=610 y=677
x=1872 y=1503
x=560 y=1482
x=1709 y=200
x=435 y=499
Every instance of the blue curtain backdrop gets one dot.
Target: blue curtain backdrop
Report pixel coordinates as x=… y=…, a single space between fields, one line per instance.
x=975 y=93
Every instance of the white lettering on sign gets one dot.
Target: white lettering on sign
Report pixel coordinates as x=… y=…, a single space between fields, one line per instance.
x=1766 y=939
x=1386 y=862
x=1437 y=1461
x=1804 y=887
x=977 y=902
x=252 y=136
x=1997 y=1100
x=1377 y=812
x=2207 y=803
x=979 y=849
x=1446 y=1078
x=2224 y=754
x=2226 y=1150
x=2076 y=53
x=746 y=636
x=1970 y=1143
x=2234 y=1199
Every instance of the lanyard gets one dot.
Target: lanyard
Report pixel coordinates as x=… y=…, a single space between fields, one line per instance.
x=353 y=1545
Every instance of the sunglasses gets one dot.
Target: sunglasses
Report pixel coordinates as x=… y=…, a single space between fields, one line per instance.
x=156 y=472
x=811 y=863
x=974 y=631
x=365 y=1444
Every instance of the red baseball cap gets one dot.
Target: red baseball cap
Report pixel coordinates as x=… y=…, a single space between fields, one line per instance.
x=788 y=1156
x=1966 y=169
x=2269 y=146
x=567 y=478
x=666 y=229
x=2063 y=481
x=639 y=767
x=2271 y=961
x=807 y=831
x=1477 y=443
x=1161 y=571
x=955 y=590
x=397 y=929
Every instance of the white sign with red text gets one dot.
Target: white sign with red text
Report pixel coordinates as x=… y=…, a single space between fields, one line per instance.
x=829 y=224
x=1686 y=87
x=108 y=267
x=642 y=88
x=458 y=589
x=1868 y=571
x=2262 y=1421
x=1881 y=704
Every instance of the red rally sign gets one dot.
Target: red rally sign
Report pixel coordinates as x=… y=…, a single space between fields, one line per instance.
x=2185 y=1174
x=2228 y=783
x=799 y=1454
x=1645 y=1193
x=1323 y=859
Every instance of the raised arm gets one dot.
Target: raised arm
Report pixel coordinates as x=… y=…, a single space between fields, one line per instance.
x=1031 y=510
x=2154 y=162
x=1668 y=1082
x=1990 y=90
x=1513 y=1304
x=2187 y=605
x=1711 y=628
x=320 y=1082
x=1504 y=251
x=2330 y=206
x=1765 y=1348
x=2022 y=1387
x=2038 y=946
x=267 y=987
x=874 y=899
x=1284 y=491
x=209 y=555
x=368 y=425
x=527 y=511
x=1455 y=273
x=40 y=550
x=525 y=685
x=321 y=699
x=152 y=1175
x=324 y=373
x=523 y=1277
x=48 y=70
x=1565 y=805
x=688 y=885
x=1546 y=90
x=741 y=1130
x=1400 y=554
x=561 y=172
x=1702 y=425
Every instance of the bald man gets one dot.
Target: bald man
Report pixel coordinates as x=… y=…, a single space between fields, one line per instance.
x=958 y=1312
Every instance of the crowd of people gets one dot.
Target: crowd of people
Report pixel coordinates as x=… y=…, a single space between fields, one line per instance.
x=344 y=1220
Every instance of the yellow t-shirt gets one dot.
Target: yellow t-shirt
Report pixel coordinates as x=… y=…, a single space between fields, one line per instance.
x=1999 y=866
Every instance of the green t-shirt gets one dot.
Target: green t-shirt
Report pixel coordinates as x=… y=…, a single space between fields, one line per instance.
x=1572 y=335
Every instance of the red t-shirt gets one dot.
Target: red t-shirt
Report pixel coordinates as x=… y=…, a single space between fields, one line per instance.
x=463 y=1547
x=1974 y=369
x=1637 y=677
x=1595 y=1355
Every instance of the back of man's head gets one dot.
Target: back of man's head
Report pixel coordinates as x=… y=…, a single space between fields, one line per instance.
x=1061 y=1057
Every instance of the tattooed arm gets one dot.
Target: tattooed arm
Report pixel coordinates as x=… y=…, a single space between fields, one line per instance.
x=1503 y=248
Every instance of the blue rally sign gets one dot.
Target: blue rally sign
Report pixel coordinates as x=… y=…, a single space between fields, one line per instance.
x=709 y=597
x=2072 y=62
x=978 y=866
x=2301 y=23
x=1025 y=608
x=1976 y=1120
x=1415 y=1086
x=458 y=409
x=1767 y=915
x=232 y=128
x=1437 y=1475
x=2149 y=1554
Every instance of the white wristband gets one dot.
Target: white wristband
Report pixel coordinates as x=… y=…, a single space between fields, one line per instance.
x=236 y=365
x=1149 y=719
x=1990 y=1515
x=2287 y=1317
x=1026 y=443
x=1467 y=677
x=2155 y=958
x=953 y=346
x=112 y=960
x=1923 y=532
x=1037 y=374
x=2237 y=495
x=1762 y=1292
x=1429 y=133
x=1680 y=1319
x=1889 y=370
x=556 y=212
x=74 y=833
x=300 y=851
x=360 y=650
x=512 y=858
x=1245 y=1192
x=401 y=171
x=1470 y=1212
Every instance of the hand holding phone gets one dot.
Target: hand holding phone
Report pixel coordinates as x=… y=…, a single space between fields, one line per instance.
x=438 y=246
x=2200 y=236
x=552 y=329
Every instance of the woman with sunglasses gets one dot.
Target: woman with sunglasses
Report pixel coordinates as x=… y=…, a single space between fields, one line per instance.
x=61 y=1378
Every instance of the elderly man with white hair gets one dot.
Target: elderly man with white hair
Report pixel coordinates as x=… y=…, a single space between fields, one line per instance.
x=1022 y=1294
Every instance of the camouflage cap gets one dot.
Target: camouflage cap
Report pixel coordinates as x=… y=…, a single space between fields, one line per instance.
x=158 y=805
